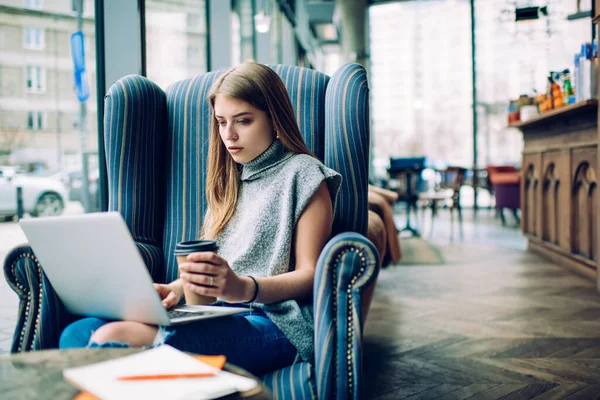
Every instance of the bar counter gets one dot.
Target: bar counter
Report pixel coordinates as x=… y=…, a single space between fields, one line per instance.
x=559 y=186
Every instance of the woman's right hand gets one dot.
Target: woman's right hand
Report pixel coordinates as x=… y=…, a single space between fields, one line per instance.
x=170 y=294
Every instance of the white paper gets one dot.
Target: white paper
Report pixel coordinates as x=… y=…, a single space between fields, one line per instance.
x=100 y=379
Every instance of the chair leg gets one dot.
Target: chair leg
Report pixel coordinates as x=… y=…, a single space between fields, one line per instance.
x=501 y=213
x=516 y=215
x=451 y=208
x=433 y=214
x=460 y=221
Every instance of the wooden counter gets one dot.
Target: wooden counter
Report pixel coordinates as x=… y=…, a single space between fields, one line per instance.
x=559 y=186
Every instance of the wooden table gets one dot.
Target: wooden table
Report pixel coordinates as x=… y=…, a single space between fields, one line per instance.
x=38 y=374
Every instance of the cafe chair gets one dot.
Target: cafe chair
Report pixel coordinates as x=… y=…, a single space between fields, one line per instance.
x=506 y=186
x=156 y=145
x=446 y=193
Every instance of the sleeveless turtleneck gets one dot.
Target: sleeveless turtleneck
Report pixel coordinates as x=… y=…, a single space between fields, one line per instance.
x=274 y=189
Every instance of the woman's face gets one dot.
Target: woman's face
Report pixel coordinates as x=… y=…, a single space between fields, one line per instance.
x=246 y=131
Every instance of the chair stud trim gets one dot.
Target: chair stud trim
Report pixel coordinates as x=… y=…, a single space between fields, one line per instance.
x=30 y=305
x=349 y=319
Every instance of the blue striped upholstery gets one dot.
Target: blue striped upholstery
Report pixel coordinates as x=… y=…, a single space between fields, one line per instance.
x=41 y=316
x=134 y=124
x=306 y=88
x=185 y=163
x=293 y=382
x=347 y=140
x=347 y=266
x=156 y=150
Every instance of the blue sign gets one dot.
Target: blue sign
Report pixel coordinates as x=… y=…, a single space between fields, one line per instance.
x=80 y=74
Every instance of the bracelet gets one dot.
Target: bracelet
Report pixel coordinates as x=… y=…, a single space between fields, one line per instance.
x=256 y=289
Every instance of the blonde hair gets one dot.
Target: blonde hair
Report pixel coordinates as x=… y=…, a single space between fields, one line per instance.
x=261 y=87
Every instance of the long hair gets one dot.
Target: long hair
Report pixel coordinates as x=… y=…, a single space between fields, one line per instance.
x=261 y=87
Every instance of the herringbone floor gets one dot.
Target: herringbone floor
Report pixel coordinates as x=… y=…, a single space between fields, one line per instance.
x=495 y=322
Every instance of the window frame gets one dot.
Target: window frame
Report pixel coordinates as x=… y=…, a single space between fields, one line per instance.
x=39 y=120
x=34 y=4
x=40 y=80
x=32 y=45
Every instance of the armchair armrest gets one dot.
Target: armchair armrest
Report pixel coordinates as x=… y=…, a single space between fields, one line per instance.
x=347 y=267
x=41 y=316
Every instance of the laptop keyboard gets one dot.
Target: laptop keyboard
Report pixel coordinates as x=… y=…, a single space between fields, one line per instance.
x=185 y=314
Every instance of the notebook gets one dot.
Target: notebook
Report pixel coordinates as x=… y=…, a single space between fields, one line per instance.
x=96 y=270
x=100 y=379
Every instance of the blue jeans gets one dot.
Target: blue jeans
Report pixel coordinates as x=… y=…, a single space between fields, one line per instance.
x=249 y=340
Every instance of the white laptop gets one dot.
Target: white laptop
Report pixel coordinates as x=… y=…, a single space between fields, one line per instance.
x=96 y=270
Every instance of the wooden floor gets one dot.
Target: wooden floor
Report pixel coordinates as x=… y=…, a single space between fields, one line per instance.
x=495 y=322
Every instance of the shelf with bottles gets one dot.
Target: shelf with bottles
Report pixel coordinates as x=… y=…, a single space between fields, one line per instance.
x=558 y=113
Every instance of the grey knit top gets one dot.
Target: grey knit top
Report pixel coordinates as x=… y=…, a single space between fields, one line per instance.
x=275 y=188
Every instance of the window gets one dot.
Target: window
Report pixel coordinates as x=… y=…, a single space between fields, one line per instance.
x=193 y=52
x=34 y=38
x=36 y=120
x=179 y=30
x=36 y=79
x=37 y=97
x=35 y=4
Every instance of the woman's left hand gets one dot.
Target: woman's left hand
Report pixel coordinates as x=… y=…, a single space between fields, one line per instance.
x=207 y=274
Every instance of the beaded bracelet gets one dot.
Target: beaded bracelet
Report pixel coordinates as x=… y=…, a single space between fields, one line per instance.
x=256 y=289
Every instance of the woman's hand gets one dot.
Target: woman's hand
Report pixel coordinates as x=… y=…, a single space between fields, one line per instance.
x=207 y=274
x=171 y=293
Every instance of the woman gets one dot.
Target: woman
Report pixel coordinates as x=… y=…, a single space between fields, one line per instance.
x=270 y=209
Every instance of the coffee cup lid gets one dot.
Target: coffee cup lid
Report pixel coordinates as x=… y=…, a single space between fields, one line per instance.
x=195 y=246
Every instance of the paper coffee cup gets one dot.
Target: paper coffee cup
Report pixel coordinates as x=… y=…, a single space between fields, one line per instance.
x=182 y=250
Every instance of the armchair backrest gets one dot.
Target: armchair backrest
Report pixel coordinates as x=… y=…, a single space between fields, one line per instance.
x=157 y=144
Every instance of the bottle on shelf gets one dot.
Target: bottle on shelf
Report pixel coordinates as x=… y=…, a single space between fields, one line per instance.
x=594 y=71
x=556 y=93
x=585 y=62
x=569 y=93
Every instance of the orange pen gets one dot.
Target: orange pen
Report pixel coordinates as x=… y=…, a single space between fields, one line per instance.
x=164 y=376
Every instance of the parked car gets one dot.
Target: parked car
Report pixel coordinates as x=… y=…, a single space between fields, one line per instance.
x=42 y=196
x=72 y=179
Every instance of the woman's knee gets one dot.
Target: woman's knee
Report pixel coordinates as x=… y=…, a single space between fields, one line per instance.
x=131 y=333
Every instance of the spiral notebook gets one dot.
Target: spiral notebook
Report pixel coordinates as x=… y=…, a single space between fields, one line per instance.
x=101 y=379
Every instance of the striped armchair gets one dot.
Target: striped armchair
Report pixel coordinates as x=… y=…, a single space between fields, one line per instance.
x=156 y=151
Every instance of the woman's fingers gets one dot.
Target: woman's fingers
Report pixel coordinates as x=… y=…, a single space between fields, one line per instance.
x=170 y=300
x=204 y=290
x=200 y=279
x=199 y=268
x=162 y=290
x=206 y=257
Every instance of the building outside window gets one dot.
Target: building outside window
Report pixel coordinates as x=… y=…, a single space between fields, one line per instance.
x=176 y=40
x=36 y=120
x=236 y=38
x=243 y=30
x=36 y=79
x=37 y=87
x=34 y=38
x=35 y=4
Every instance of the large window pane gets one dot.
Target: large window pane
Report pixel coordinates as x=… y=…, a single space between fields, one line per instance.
x=38 y=105
x=515 y=58
x=244 y=35
x=175 y=40
x=421 y=81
